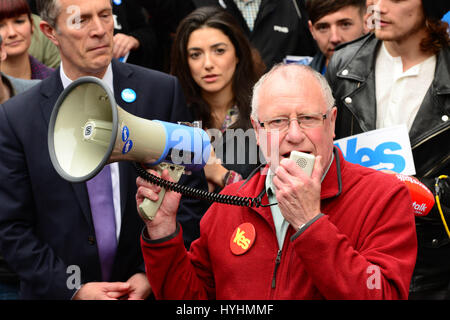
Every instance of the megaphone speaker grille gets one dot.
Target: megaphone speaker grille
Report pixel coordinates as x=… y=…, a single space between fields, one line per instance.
x=83 y=129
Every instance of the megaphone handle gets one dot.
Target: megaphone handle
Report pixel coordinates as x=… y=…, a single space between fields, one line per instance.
x=148 y=208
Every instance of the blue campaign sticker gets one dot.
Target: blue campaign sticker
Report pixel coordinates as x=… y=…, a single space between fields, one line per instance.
x=127 y=147
x=125 y=133
x=128 y=95
x=117 y=2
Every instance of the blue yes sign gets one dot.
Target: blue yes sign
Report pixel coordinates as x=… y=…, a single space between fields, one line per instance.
x=383 y=149
x=376 y=158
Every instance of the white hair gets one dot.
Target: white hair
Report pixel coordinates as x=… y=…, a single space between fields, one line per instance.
x=294 y=72
x=49 y=11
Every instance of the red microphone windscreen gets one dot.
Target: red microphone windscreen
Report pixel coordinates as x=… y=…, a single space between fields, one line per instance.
x=422 y=198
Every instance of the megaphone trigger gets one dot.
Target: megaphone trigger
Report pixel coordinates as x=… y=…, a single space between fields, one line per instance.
x=148 y=208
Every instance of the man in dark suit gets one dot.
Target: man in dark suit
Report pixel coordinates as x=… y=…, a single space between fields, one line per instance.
x=47 y=232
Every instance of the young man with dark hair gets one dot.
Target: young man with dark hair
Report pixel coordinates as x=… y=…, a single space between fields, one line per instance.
x=399 y=74
x=332 y=23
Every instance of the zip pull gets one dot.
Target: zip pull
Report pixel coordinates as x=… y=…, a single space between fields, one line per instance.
x=277 y=263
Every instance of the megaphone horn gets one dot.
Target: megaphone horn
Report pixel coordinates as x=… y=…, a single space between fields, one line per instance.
x=88 y=130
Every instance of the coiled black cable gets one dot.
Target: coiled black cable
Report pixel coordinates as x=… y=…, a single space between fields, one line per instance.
x=195 y=193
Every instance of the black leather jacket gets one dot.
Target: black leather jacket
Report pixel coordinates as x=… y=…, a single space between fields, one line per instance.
x=351 y=74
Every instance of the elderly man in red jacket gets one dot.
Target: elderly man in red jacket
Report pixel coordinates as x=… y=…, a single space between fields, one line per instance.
x=345 y=232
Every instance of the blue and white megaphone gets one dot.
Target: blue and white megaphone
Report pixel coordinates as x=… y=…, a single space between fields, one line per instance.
x=89 y=130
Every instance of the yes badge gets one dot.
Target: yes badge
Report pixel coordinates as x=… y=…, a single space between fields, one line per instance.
x=128 y=95
x=242 y=238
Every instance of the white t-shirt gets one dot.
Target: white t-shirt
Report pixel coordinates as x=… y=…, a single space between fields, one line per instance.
x=400 y=94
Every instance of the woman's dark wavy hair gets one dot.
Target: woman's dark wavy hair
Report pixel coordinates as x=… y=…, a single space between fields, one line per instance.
x=248 y=70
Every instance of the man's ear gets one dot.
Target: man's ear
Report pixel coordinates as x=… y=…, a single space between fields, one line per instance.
x=311 y=29
x=255 y=125
x=333 y=115
x=48 y=31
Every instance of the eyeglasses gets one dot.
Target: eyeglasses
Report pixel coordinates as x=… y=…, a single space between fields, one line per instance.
x=305 y=121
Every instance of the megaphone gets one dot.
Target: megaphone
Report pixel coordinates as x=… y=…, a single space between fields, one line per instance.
x=88 y=130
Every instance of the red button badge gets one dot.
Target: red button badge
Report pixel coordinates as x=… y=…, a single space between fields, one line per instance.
x=242 y=239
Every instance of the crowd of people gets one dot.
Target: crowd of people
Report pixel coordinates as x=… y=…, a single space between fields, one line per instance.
x=288 y=76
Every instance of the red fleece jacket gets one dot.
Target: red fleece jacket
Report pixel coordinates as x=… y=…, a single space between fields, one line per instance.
x=362 y=247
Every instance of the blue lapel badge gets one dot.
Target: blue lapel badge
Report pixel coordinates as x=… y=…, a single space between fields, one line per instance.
x=128 y=95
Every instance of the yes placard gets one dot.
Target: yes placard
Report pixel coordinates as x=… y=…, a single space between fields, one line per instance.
x=381 y=149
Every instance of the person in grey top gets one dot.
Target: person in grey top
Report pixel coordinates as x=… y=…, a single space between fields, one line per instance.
x=9 y=87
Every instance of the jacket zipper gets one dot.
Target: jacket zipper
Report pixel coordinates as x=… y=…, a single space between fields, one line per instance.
x=429 y=137
x=430 y=171
x=297 y=9
x=277 y=263
x=435 y=168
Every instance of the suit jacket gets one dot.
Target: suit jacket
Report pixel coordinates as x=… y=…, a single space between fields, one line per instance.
x=46 y=230
x=16 y=86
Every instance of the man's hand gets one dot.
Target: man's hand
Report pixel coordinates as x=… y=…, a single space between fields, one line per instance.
x=298 y=195
x=124 y=44
x=139 y=289
x=100 y=290
x=164 y=223
x=214 y=171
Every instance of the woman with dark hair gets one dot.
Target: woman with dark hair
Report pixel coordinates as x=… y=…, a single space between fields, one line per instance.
x=16 y=29
x=217 y=68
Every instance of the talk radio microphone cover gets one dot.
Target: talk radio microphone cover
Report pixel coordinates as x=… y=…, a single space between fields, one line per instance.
x=422 y=198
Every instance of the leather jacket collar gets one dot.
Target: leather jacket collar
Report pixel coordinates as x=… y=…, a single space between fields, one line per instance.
x=357 y=66
x=361 y=68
